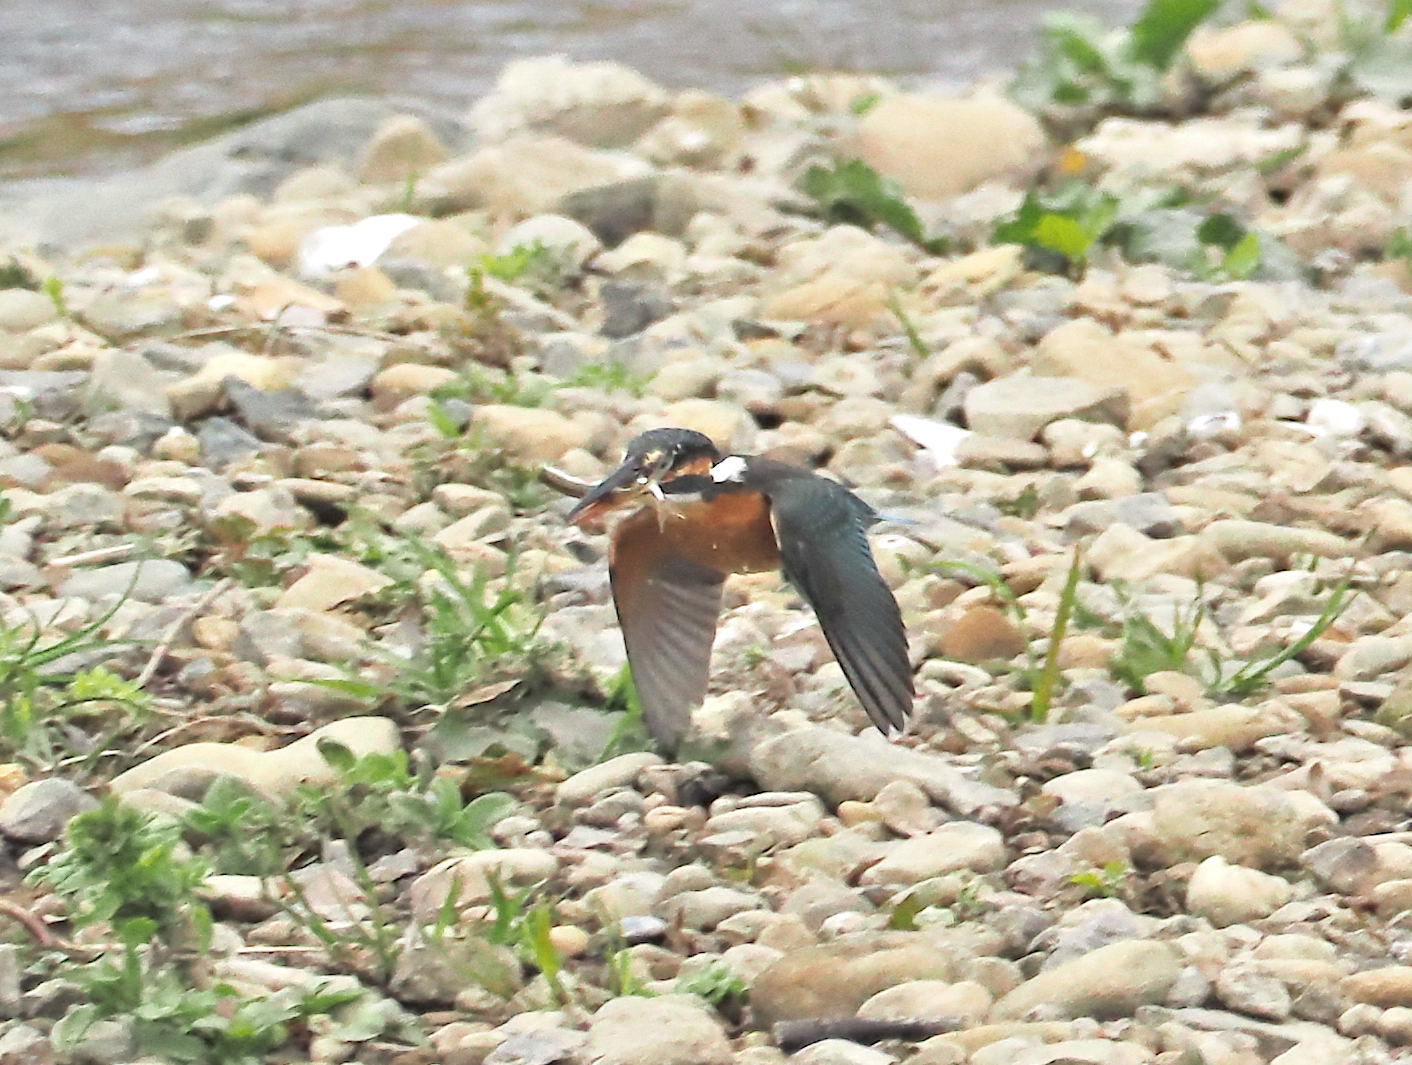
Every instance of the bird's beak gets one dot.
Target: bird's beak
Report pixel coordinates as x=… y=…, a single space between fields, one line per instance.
x=621 y=486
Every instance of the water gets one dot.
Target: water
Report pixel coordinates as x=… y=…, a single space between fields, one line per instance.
x=95 y=85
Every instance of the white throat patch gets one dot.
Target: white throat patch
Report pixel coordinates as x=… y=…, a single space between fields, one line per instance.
x=731 y=468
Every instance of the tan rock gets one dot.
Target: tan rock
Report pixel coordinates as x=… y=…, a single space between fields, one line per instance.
x=276 y=772
x=981 y=633
x=936 y=147
x=1111 y=981
x=1257 y=826
x=929 y=998
x=1219 y=53
x=667 y=1030
x=1089 y=351
x=531 y=434
x=726 y=423
x=1385 y=987
x=401 y=149
x=834 y=979
x=949 y=848
x=331 y=581
x=469 y=877
x=364 y=288
x=1227 y=894
x=390 y=386
x=1232 y=726
x=521 y=176
x=438 y=243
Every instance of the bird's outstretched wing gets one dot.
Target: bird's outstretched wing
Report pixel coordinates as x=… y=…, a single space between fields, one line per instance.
x=667 y=608
x=821 y=528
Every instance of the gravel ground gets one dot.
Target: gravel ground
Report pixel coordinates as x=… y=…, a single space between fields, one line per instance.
x=251 y=454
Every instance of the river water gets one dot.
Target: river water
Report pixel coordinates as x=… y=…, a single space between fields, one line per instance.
x=88 y=86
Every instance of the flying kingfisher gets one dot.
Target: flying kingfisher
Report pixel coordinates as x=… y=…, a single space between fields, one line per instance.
x=697 y=515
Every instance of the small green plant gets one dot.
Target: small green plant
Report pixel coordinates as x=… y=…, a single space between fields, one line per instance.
x=903 y=915
x=915 y=343
x=716 y=983
x=1255 y=676
x=1399 y=246
x=1064 y=228
x=610 y=375
x=1083 y=64
x=130 y=873
x=1233 y=251
x=379 y=791
x=1103 y=882
x=468 y=630
x=851 y=192
x=480 y=384
x=1146 y=647
x=534 y=266
x=53 y=287
x=630 y=734
x=1041 y=675
x=38 y=699
x=623 y=980
x=1047 y=679
x=127 y=869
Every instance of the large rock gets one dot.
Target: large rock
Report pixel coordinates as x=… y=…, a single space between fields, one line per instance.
x=936 y=147
x=834 y=979
x=38 y=811
x=1258 y=826
x=522 y=176
x=1082 y=348
x=1111 y=981
x=948 y=849
x=837 y=766
x=1227 y=894
x=1020 y=405
x=669 y=1030
x=600 y=104
x=187 y=770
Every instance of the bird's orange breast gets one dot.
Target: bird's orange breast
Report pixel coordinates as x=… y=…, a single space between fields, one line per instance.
x=731 y=533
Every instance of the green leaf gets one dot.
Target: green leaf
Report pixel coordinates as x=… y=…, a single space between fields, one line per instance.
x=1063 y=234
x=480 y=815
x=1397 y=13
x=69 y=1030
x=904 y=915
x=338 y=756
x=1221 y=230
x=1244 y=259
x=1164 y=26
x=851 y=192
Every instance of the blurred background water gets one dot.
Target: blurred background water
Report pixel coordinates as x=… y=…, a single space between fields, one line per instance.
x=88 y=86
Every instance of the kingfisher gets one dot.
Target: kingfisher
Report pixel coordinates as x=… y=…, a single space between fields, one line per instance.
x=690 y=515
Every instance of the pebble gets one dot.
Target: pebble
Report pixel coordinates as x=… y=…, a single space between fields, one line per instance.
x=835 y=979
x=1110 y=981
x=667 y=1030
x=38 y=811
x=1018 y=407
x=948 y=849
x=1227 y=894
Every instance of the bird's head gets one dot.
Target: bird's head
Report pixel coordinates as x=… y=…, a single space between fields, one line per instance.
x=652 y=458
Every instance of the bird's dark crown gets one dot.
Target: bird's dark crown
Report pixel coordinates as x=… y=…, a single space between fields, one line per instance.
x=664 y=450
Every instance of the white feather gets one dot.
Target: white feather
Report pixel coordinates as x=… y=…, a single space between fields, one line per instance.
x=731 y=468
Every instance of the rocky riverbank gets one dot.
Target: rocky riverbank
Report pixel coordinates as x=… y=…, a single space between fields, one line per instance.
x=277 y=571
